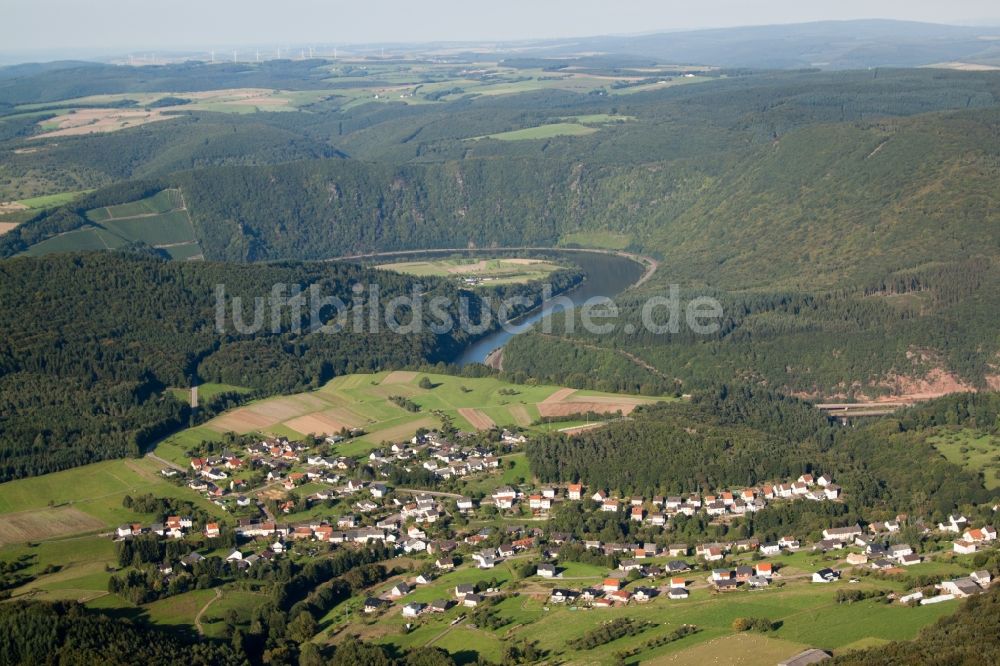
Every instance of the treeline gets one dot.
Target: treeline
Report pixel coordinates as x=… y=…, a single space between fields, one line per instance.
x=608 y=632
x=67 y=632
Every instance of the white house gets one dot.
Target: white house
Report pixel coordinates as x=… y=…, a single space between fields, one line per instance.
x=825 y=576
x=546 y=570
x=412 y=609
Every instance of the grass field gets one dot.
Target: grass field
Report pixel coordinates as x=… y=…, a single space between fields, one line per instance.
x=496 y=271
x=549 y=131
x=179 y=609
x=161 y=221
x=598 y=119
x=808 y=616
x=51 y=200
x=362 y=401
x=80 y=565
x=735 y=650
x=974 y=451
x=83 y=499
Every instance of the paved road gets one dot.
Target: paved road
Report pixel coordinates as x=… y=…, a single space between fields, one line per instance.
x=432 y=493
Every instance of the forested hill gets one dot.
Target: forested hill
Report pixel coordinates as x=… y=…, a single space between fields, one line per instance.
x=739 y=437
x=820 y=207
x=90 y=343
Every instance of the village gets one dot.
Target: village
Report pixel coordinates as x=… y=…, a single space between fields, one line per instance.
x=301 y=499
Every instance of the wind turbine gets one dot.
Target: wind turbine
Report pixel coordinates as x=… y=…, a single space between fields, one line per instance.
x=234 y=55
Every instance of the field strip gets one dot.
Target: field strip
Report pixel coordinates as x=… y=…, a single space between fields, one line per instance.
x=570 y=408
x=559 y=396
x=520 y=414
x=400 y=377
x=402 y=431
x=478 y=420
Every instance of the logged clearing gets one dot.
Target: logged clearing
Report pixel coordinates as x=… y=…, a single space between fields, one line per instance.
x=6 y=226
x=45 y=524
x=478 y=420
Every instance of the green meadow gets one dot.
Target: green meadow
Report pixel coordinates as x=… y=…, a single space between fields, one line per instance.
x=95 y=491
x=363 y=401
x=972 y=450
x=51 y=200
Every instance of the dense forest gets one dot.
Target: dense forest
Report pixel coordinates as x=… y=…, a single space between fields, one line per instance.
x=68 y=633
x=737 y=437
x=864 y=340
x=845 y=220
x=91 y=342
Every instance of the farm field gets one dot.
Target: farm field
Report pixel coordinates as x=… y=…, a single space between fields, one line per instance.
x=161 y=221
x=85 y=115
x=82 y=500
x=362 y=401
x=511 y=270
x=975 y=451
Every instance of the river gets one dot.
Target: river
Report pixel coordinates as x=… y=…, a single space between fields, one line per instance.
x=607 y=275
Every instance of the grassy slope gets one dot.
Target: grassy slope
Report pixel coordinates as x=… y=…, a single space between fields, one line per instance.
x=973 y=450
x=362 y=401
x=96 y=490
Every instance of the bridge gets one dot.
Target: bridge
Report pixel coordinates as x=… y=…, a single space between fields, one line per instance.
x=848 y=410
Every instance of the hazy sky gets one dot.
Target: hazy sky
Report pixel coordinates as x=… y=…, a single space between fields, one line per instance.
x=201 y=24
